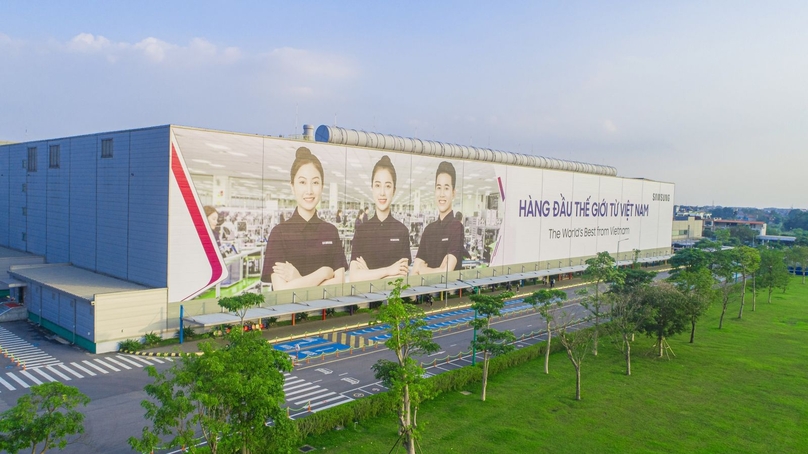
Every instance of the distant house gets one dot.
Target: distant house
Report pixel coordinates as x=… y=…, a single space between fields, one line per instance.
x=713 y=224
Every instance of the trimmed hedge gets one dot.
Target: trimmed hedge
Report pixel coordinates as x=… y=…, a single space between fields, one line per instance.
x=382 y=403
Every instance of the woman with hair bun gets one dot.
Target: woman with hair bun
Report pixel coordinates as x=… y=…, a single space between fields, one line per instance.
x=381 y=247
x=304 y=251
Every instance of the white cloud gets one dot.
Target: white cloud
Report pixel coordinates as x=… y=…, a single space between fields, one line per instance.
x=609 y=127
x=155 y=49
x=87 y=42
x=307 y=63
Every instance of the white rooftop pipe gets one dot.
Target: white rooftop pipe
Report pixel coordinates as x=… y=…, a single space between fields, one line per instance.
x=352 y=137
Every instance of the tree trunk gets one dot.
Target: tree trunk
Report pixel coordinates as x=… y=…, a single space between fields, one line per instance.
x=628 y=355
x=723 y=311
x=595 y=338
x=577 y=382
x=485 y=372
x=692 y=329
x=754 y=292
x=743 y=296
x=659 y=343
x=409 y=441
x=547 y=352
x=771 y=290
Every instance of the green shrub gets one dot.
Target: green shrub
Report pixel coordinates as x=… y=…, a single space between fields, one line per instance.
x=152 y=339
x=187 y=333
x=383 y=403
x=301 y=316
x=130 y=345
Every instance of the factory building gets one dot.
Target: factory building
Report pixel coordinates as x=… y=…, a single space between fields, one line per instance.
x=103 y=237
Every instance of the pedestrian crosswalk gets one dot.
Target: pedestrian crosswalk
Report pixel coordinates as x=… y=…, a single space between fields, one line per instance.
x=23 y=352
x=304 y=397
x=65 y=372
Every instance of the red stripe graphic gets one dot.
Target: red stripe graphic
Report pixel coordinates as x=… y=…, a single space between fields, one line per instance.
x=196 y=216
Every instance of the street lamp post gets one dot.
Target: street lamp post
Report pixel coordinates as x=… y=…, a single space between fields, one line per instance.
x=618 y=251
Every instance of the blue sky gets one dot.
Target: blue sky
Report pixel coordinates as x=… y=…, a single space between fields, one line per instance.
x=709 y=95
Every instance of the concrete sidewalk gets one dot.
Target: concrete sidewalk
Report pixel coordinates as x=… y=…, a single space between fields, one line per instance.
x=317 y=327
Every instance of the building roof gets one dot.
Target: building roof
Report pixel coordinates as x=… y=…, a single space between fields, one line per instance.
x=8 y=253
x=736 y=221
x=72 y=280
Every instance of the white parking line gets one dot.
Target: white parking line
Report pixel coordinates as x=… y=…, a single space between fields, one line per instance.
x=313 y=394
x=78 y=366
x=144 y=361
x=113 y=360
x=108 y=365
x=17 y=379
x=42 y=373
x=30 y=377
x=78 y=375
x=135 y=363
x=302 y=391
x=95 y=367
x=7 y=385
x=53 y=370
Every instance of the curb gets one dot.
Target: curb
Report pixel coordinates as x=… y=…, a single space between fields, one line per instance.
x=158 y=354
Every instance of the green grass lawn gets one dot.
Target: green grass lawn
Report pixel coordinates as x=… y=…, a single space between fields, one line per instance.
x=738 y=390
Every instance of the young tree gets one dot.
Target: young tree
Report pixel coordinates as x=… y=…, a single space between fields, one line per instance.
x=773 y=272
x=599 y=270
x=724 y=267
x=576 y=344
x=489 y=340
x=404 y=377
x=748 y=260
x=627 y=315
x=689 y=259
x=799 y=255
x=45 y=417
x=240 y=303
x=547 y=302
x=698 y=286
x=169 y=410
x=667 y=315
x=228 y=393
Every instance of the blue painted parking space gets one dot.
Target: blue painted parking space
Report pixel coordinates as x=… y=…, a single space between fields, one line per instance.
x=304 y=343
x=320 y=350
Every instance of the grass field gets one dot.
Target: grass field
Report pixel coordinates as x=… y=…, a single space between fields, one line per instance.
x=743 y=389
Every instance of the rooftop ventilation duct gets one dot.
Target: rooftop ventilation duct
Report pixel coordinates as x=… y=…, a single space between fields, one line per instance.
x=352 y=137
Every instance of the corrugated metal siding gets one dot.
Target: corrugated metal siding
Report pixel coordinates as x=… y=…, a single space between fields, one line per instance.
x=5 y=192
x=50 y=303
x=66 y=309
x=85 y=320
x=148 y=206
x=17 y=176
x=83 y=234
x=58 y=206
x=112 y=216
x=35 y=201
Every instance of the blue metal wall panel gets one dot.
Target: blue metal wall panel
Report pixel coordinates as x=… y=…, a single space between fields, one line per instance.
x=112 y=217
x=5 y=188
x=83 y=157
x=66 y=311
x=49 y=303
x=35 y=201
x=85 y=320
x=17 y=177
x=58 y=206
x=148 y=206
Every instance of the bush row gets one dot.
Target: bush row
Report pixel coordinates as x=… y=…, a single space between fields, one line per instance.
x=382 y=403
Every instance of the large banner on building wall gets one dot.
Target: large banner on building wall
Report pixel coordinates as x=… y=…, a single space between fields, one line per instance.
x=282 y=214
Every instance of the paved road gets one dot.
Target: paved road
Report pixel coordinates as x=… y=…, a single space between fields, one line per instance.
x=115 y=381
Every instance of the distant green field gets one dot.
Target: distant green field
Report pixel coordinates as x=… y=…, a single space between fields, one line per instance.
x=743 y=389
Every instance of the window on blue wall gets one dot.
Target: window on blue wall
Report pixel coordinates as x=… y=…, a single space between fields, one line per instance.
x=25 y=211
x=24 y=236
x=32 y=159
x=53 y=155
x=106 y=148
x=24 y=187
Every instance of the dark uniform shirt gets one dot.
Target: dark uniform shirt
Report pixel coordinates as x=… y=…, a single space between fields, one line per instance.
x=306 y=245
x=444 y=236
x=381 y=243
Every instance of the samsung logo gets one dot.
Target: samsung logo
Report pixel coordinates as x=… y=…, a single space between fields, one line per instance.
x=662 y=197
x=393 y=239
x=328 y=242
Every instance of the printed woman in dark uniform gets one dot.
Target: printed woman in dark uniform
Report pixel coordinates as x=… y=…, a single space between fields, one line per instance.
x=381 y=245
x=304 y=251
x=441 y=245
